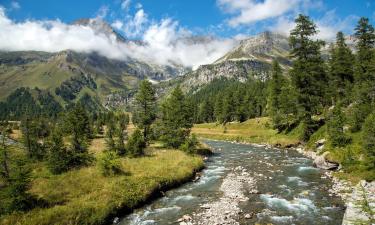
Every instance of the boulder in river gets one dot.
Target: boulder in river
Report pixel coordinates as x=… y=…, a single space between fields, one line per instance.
x=322 y=163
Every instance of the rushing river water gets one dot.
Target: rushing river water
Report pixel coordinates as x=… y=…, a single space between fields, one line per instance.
x=292 y=191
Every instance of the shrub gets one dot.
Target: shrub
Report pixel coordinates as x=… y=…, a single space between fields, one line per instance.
x=190 y=144
x=136 y=144
x=109 y=164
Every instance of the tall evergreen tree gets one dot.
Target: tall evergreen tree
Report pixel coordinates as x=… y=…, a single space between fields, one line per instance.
x=59 y=159
x=110 y=133
x=146 y=108
x=176 y=119
x=77 y=125
x=4 y=156
x=364 y=73
x=335 y=127
x=275 y=95
x=368 y=143
x=308 y=73
x=341 y=69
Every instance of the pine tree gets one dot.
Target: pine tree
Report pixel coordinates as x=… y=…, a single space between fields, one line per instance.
x=59 y=159
x=123 y=121
x=4 y=156
x=136 y=144
x=30 y=138
x=146 y=108
x=335 y=128
x=369 y=141
x=110 y=133
x=341 y=69
x=275 y=108
x=308 y=73
x=364 y=73
x=77 y=125
x=218 y=108
x=18 y=199
x=176 y=119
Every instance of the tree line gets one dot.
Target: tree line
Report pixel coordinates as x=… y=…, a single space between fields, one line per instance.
x=62 y=142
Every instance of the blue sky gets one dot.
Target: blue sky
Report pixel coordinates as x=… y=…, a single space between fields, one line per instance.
x=199 y=16
x=165 y=26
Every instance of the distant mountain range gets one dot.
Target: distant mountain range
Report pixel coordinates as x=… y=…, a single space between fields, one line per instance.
x=68 y=74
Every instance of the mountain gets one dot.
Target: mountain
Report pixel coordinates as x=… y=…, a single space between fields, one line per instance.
x=250 y=59
x=69 y=71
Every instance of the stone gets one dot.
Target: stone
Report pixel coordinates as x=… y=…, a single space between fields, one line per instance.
x=322 y=163
x=248 y=216
x=116 y=220
x=320 y=142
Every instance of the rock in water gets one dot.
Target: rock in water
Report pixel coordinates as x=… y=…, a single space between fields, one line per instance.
x=321 y=162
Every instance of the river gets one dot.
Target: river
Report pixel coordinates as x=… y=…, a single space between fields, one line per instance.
x=289 y=190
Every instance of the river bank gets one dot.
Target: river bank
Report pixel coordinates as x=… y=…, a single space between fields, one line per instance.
x=360 y=207
x=84 y=196
x=248 y=184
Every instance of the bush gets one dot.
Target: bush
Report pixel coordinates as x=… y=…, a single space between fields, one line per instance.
x=335 y=128
x=369 y=140
x=136 y=144
x=16 y=197
x=190 y=144
x=109 y=164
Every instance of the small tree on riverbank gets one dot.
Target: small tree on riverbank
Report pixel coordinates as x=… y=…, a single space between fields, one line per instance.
x=176 y=119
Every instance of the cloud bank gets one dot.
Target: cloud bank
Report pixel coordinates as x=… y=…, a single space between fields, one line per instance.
x=163 y=42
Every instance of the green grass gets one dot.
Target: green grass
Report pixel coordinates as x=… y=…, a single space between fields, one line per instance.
x=84 y=196
x=253 y=131
x=258 y=131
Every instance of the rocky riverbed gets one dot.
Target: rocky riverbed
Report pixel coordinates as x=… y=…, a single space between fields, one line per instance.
x=246 y=184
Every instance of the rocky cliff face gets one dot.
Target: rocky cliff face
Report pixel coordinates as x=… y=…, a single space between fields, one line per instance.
x=241 y=70
x=251 y=59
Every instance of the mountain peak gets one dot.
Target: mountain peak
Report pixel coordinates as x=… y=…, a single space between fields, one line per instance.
x=99 y=26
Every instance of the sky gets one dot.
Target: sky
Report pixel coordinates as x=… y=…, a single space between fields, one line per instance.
x=163 y=24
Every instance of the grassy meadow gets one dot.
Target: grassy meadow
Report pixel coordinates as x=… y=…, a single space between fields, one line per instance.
x=84 y=196
x=258 y=131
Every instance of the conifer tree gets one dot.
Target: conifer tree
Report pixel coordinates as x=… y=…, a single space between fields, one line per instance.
x=275 y=95
x=136 y=144
x=308 y=73
x=77 y=125
x=59 y=159
x=364 y=73
x=369 y=141
x=4 y=156
x=341 y=69
x=145 y=114
x=335 y=128
x=123 y=122
x=110 y=133
x=176 y=119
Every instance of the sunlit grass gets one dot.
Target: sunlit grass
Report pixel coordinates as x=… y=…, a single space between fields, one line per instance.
x=254 y=131
x=84 y=196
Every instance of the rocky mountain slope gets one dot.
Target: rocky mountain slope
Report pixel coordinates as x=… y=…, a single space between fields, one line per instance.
x=50 y=70
x=250 y=59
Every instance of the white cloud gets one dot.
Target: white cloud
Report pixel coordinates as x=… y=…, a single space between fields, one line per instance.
x=15 y=5
x=135 y=25
x=164 y=42
x=328 y=25
x=102 y=12
x=250 y=11
x=125 y=5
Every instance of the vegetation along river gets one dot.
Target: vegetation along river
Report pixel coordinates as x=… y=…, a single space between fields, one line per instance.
x=245 y=184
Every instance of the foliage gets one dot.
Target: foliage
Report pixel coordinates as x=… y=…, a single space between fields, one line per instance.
x=145 y=113
x=369 y=141
x=69 y=89
x=59 y=157
x=176 y=119
x=335 y=128
x=109 y=164
x=190 y=144
x=15 y=196
x=308 y=73
x=136 y=144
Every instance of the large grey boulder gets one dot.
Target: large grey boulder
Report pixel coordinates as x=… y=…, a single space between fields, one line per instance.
x=322 y=163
